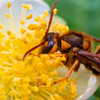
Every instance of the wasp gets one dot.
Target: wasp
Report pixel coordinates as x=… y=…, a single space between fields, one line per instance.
x=77 y=46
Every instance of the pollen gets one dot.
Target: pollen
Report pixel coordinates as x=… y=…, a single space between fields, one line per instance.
x=7 y=43
x=9 y=33
x=29 y=16
x=49 y=82
x=22 y=22
x=54 y=73
x=37 y=19
x=55 y=26
x=32 y=26
x=29 y=6
x=63 y=58
x=44 y=77
x=1 y=35
x=63 y=28
x=55 y=11
x=35 y=88
x=22 y=31
x=29 y=36
x=8 y=5
x=8 y=16
x=1 y=27
x=23 y=5
x=45 y=14
x=13 y=36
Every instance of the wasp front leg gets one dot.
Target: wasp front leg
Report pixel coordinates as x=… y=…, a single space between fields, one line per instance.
x=50 y=55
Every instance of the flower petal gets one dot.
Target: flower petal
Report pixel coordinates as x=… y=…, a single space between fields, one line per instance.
x=92 y=86
x=38 y=9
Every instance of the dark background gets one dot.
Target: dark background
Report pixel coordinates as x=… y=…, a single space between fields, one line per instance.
x=81 y=15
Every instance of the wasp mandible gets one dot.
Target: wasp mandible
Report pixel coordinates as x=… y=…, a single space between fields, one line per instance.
x=77 y=46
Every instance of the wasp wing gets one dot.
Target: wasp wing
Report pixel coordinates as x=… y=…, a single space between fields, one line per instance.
x=94 y=58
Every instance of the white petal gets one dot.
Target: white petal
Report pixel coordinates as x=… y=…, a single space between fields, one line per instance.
x=38 y=9
x=92 y=86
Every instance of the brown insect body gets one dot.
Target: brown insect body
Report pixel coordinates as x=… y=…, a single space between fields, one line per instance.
x=65 y=45
x=74 y=39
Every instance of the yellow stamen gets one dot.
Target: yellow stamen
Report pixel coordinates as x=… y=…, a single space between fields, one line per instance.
x=13 y=36
x=22 y=22
x=37 y=19
x=1 y=35
x=8 y=16
x=32 y=26
x=9 y=33
x=54 y=73
x=55 y=11
x=35 y=88
x=22 y=31
x=29 y=16
x=1 y=27
x=23 y=5
x=8 y=5
x=45 y=14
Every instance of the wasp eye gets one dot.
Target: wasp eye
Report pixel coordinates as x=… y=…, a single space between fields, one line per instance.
x=50 y=44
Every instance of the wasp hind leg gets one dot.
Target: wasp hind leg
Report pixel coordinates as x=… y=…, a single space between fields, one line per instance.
x=66 y=77
x=68 y=74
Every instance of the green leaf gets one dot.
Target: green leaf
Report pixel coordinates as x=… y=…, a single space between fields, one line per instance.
x=97 y=93
x=92 y=98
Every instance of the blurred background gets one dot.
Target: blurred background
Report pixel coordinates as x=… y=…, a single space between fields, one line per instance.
x=81 y=15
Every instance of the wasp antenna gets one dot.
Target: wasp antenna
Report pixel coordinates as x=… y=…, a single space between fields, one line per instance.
x=32 y=49
x=51 y=16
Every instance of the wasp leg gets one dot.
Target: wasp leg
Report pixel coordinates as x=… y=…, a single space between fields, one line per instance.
x=50 y=55
x=69 y=72
x=77 y=67
x=97 y=50
x=67 y=75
